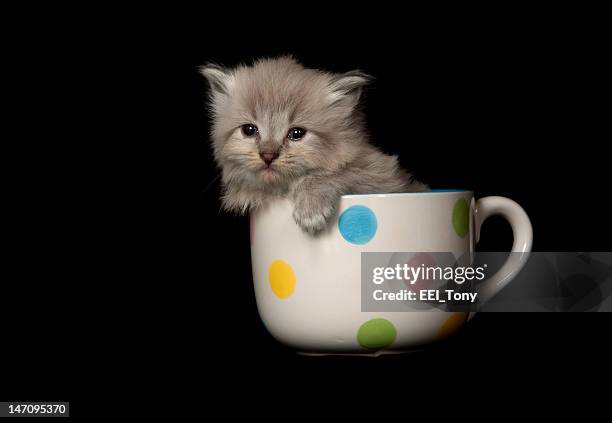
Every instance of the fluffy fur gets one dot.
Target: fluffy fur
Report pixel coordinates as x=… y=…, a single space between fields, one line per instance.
x=332 y=159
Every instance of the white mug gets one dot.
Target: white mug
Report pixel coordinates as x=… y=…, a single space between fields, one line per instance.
x=308 y=288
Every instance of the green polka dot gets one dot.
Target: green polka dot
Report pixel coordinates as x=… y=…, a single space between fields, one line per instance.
x=376 y=334
x=461 y=217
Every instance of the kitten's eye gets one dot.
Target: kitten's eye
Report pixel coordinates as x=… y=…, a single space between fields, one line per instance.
x=296 y=133
x=249 y=130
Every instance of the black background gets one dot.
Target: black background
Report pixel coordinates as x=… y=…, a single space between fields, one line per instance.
x=118 y=243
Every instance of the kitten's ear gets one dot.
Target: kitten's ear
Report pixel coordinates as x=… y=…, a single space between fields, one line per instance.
x=347 y=87
x=220 y=79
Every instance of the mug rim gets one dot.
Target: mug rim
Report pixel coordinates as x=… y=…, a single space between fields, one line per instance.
x=430 y=192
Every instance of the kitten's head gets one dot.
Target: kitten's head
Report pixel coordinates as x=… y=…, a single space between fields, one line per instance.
x=275 y=121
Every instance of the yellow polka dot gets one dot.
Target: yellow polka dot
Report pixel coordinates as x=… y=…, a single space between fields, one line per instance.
x=451 y=324
x=282 y=279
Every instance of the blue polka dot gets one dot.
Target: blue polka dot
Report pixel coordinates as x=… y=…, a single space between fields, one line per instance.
x=357 y=224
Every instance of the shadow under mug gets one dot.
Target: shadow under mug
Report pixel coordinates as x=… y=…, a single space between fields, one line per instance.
x=308 y=288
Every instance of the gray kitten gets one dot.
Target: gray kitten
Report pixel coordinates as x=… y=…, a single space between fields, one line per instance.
x=282 y=130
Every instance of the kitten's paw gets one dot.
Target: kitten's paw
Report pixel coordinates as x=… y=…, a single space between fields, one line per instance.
x=312 y=219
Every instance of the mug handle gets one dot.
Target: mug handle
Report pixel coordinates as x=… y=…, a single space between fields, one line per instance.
x=521 y=247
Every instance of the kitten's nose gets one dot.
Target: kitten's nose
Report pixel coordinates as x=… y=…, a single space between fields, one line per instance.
x=268 y=157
